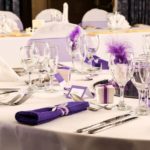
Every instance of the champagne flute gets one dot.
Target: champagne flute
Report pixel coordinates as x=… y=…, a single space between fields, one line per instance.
x=121 y=73
x=29 y=61
x=51 y=66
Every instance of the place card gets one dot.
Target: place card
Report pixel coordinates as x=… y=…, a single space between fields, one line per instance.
x=36 y=23
x=60 y=79
x=81 y=91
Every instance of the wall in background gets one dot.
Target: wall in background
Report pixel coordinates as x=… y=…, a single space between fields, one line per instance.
x=136 y=11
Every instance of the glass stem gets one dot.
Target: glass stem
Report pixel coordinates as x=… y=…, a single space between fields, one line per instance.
x=73 y=66
x=51 y=82
x=122 y=105
x=140 y=96
x=29 y=79
x=122 y=94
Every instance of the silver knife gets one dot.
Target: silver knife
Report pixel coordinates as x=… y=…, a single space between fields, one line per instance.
x=110 y=125
x=102 y=123
x=7 y=92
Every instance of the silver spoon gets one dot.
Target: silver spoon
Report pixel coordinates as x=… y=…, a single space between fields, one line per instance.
x=75 y=97
x=78 y=98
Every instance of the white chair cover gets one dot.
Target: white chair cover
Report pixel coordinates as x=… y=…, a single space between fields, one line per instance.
x=117 y=21
x=50 y=15
x=95 y=18
x=56 y=33
x=12 y=20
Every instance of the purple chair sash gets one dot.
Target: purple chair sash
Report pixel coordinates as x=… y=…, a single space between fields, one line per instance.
x=61 y=44
x=96 y=24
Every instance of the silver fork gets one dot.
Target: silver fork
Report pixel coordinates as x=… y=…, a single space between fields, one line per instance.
x=12 y=100
x=24 y=98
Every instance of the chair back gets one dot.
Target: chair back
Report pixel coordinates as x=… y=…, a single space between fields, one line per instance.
x=56 y=33
x=13 y=17
x=95 y=18
x=50 y=15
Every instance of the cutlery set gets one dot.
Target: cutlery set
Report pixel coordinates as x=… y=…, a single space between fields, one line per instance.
x=19 y=98
x=22 y=96
x=109 y=123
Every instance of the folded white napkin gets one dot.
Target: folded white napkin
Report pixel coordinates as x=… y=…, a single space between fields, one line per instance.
x=7 y=74
x=117 y=21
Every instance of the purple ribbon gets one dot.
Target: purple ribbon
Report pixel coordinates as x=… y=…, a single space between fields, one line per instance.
x=63 y=108
x=64 y=67
x=105 y=94
x=59 y=78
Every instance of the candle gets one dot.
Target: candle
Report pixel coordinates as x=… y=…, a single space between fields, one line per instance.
x=65 y=12
x=115 y=9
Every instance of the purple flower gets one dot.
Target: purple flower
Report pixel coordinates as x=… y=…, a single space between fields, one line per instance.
x=119 y=50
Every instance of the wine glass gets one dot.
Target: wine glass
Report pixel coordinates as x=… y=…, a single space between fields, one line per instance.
x=76 y=48
x=51 y=66
x=122 y=73
x=29 y=62
x=140 y=77
x=41 y=52
x=146 y=45
x=92 y=46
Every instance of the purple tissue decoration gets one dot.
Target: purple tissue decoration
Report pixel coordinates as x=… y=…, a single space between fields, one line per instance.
x=74 y=38
x=119 y=51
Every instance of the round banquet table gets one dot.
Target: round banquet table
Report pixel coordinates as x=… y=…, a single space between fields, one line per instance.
x=60 y=134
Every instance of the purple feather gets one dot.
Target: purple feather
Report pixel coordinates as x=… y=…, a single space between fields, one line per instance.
x=74 y=38
x=119 y=50
x=75 y=34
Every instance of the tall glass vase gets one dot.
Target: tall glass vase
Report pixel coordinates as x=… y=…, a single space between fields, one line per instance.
x=121 y=73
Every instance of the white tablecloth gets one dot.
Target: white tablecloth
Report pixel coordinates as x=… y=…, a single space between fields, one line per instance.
x=59 y=134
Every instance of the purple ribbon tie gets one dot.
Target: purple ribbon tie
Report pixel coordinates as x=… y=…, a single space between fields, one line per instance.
x=63 y=108
x=105 y=94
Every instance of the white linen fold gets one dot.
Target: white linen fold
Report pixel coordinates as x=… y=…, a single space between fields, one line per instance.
x=7 y=74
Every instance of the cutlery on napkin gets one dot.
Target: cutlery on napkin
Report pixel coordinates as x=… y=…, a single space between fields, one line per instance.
x=43 y=115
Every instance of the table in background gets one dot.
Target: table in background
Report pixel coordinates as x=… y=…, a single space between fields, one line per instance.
x=10 y=45
x=134 y=37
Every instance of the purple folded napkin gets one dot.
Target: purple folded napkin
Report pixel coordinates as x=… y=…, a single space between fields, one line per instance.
x=43 y=115
x=98 y=62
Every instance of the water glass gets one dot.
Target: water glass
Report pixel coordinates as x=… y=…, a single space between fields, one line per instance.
x=41 y=52
x=28 y=61
x=121 y=73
